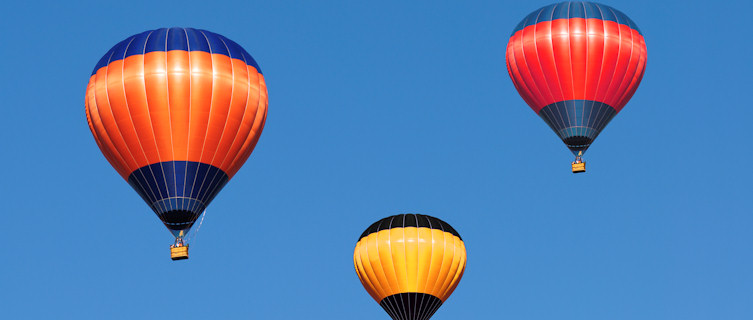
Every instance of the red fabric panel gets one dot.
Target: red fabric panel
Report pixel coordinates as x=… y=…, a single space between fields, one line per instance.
x=576 y=59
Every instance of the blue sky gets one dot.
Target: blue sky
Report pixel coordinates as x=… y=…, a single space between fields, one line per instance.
x=379 y=108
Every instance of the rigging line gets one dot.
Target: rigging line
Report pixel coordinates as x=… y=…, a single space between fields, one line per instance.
x=195 y=232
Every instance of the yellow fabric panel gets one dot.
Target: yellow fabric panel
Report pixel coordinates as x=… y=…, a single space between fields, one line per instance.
x=384 y=261
x=397 y=244
x=437 y=255
x=374 y=261
x=365 y=271
x=447 y=250
x=424 y=258
x=456 y=269
x=362 y=271
x=411 y=259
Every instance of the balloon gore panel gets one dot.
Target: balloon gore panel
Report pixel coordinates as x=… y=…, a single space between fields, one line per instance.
x=178 y=191
x=577 y=122
x=411 y=306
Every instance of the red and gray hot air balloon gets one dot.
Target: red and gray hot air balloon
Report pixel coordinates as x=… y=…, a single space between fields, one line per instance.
x=576 y=64
x=176 y=111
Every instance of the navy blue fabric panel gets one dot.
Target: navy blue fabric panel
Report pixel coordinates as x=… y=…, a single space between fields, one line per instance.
x=176 y=39
x=577 y=122
x=115 y=53
x=108 y=56
x=184 y=186
x=562 y=11
x=157 y=41
x=591 y=10
x=606 y=14
x=576 y=9
x=197 y=41
x=138 y=42
x=216 y=45
x=166 y=39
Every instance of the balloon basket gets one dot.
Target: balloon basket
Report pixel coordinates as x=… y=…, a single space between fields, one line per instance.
x=179 y=253
x=579 y=167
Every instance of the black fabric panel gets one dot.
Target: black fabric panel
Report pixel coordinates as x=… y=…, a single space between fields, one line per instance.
x=178 y=219
x=409 y=220
x=411 y=306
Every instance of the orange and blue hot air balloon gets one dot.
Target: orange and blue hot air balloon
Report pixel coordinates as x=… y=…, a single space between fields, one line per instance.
x=576 y=64
x=177 y=111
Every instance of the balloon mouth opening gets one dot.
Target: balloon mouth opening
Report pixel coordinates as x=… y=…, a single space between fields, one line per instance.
x=578 y=144
x=178 y=221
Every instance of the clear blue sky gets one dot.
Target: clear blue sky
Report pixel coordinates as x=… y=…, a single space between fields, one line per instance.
x=378 y=108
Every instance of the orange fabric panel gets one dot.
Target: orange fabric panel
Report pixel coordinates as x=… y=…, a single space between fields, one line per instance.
x=157 y=106
x=222 y=90
x=109 y=125
x=201 y=99
x=135 y=94
x=256 y=116
x=175 y=106
x=235 y=113
x=95 y=124
x=179 y=100
x=245 y=120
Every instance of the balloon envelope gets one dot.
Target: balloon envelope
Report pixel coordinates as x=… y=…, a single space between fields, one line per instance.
x=176 y=111
x=576 y=64
x=410 y=264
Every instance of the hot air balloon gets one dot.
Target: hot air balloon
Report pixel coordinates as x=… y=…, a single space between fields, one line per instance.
x=410 y=264
x=576 y=64
x=176 y=112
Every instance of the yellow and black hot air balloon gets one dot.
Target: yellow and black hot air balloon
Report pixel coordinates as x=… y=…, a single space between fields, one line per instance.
x=410 y=264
